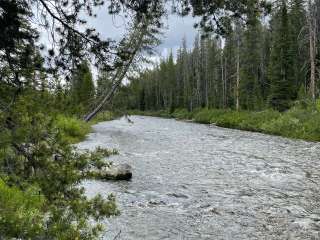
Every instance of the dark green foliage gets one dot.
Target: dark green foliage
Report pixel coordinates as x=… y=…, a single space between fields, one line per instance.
x=72 y=130
x=281 y=71
x=17 y=44
x=261 y=64
x=191 y=82
x=41 y=172
x=103 y=117
x=209 y=12
x=104 y=83
x=36 y=154
x=298 y=43
x=205 y=115
x=21 y=212
x=182 y=114
x=250 y=85
x=82 y=88
x=298 y=122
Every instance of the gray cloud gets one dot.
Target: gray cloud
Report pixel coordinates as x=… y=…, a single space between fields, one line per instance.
x=114 y=27
x=176 y=28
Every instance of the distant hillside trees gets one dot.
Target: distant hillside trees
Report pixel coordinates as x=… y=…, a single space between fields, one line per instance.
x=265 y=63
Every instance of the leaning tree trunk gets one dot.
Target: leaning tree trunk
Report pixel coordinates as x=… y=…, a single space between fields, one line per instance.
x=137 y=42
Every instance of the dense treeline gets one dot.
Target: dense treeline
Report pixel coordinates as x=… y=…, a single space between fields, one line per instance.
x=270 y=62
x=46 y=90
x=44 y=93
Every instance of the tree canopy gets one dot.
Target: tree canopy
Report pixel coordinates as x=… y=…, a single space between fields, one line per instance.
x=46 y=89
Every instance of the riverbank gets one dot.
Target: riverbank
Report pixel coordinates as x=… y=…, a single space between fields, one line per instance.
x=74 y=130
x=297 y=123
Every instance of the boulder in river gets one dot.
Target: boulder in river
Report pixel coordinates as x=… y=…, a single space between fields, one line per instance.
x=114 y=172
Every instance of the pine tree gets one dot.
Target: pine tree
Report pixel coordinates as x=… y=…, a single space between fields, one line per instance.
x=205 y=73
x=171 y=71
x=179 y=79
x=103 y=83
x=196 y=66
x=298 y=48
x=185 y=62
x=250 y=91
x=82 y=87
x=280 y=68
x=214 y=74
x=265 y=59
x=230 y=70
x=238 y=33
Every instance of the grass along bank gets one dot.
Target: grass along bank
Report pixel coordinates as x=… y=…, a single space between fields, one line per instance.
x=300 y=122
x=74 y=130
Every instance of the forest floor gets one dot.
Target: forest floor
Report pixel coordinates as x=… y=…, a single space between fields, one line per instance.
x=298 y=122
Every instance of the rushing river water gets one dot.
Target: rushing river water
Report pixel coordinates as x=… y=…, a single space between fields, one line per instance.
x=193 y=181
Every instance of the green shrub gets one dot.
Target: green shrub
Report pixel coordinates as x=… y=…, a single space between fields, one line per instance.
x=311 y=127
x=285 y=126
x=301 y=122
x=21 y=214
x=163 y=113
x=318 y=105
x=204 y=115
x=34 y=152
x=103 y=117
x=72 y=130
x=253 y=121
x=303 y=114
x=229 y=119
x=135 y=112
x=297 y=122
x=182 y=114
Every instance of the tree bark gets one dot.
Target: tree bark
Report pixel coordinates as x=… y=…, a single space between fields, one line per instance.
x=121 y=72
x=312 y=52
x=238 y=74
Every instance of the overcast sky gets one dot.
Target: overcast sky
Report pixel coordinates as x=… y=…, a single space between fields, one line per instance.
x=114 y=27
x=176 y=28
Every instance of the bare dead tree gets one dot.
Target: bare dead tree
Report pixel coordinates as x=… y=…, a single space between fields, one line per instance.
x=238 y=75
x=312 y=49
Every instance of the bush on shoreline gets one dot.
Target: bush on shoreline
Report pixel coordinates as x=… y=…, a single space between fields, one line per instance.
x=74 y=130
x=41 y=199
x=103 y=117
x=21 y=212
x=300 y=122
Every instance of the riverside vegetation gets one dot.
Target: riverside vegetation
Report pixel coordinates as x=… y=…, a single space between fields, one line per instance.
x=300 y=122
x=263 y=77
x=74 y=130
x=40 y=197
x=47 y=89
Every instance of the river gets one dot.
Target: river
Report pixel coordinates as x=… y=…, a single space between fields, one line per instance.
x=194 y=181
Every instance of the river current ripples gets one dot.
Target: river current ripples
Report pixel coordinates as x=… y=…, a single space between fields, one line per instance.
x=193 y=181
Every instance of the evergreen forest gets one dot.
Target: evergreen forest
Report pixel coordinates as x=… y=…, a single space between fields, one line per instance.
x=253 y=65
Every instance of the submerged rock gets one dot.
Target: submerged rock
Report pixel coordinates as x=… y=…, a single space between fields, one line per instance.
x=177 y=195
x=114 y=172
x=155 y=203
